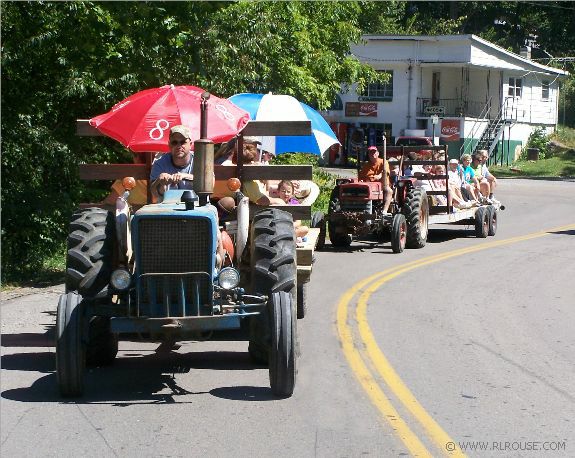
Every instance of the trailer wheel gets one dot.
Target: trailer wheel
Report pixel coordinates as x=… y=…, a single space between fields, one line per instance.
x=91 y=243
x=318 y=221
x=481 y=222
x=301 y=301
x=492 y=220
x=416 y=211
x=273 y=269
x=398 y=233
x=70 y=350
x=282 y=368
x=102 y=346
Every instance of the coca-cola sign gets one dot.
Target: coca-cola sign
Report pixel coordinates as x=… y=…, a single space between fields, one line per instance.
x=361 y=109
x=450 y=129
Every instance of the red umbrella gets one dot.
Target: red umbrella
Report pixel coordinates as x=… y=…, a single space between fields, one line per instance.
x=142 y=122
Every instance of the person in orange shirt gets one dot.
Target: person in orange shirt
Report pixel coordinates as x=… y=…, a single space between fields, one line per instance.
x=376 y=169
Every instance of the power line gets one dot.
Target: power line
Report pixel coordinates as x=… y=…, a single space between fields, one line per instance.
x=550 y=5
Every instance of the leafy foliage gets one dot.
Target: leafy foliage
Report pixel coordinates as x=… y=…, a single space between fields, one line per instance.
x=67 y=60
x=538 y=139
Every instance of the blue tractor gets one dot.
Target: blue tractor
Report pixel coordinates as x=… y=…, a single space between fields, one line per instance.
x=155 y=274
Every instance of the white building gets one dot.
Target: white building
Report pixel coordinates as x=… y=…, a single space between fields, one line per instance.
x=484 y=96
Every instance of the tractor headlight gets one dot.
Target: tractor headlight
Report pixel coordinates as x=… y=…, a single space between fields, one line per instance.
x=229 y=278
x=120 y=279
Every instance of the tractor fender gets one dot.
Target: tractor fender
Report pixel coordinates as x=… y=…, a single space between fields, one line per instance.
x=243 y=215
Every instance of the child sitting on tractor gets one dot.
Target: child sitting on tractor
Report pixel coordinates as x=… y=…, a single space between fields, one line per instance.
x=286 y=193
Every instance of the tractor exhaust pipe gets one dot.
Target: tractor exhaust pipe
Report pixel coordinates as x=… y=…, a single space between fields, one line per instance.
x=203 y=168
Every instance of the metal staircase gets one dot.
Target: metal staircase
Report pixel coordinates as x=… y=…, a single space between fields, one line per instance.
x=491 y=134
x=494 y=129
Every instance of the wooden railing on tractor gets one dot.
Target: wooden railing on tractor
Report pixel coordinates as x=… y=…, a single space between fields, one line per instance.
x=400 y=152
x=254 y=128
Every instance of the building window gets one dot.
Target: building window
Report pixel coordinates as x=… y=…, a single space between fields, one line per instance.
x=515 y=86
x=379 y=91
x=545 y=90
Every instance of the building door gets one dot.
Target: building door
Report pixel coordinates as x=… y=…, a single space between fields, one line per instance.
x=435 y=85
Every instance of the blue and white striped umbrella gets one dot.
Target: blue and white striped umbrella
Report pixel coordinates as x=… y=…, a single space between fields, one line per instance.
x=275 y=107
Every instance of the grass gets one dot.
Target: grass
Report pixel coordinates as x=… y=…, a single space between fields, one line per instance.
x=559 y=161
x=52 y=272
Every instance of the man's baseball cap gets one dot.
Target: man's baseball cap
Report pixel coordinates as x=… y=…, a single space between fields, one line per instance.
x=182 y=130
x=372 y=148
x=255 y=140
x=453 y=161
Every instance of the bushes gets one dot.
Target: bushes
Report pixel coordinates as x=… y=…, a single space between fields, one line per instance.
x=538 y=139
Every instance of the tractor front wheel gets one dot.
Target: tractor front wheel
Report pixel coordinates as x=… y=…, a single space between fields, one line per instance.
x=398 y=233
x=70 y=349
x=282 y=368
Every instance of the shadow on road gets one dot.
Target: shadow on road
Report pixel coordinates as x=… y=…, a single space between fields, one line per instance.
x=569 y=232
x=244 y=393
x=133 y=379
x=445 y=235
x=29 y=339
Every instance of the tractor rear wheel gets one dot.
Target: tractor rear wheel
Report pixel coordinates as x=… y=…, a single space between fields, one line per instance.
x=282 y=368
x=273 y=269
x=70 y=349
x=398 y=233
x=91 y=244
x=416 y=211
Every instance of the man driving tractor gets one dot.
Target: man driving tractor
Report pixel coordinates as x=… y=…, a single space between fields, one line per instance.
x=376 y=169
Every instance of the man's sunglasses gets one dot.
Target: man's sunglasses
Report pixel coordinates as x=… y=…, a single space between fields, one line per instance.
x=178 y=142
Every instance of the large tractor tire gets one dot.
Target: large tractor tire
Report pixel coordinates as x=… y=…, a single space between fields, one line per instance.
x=282 y=367
x=416 y=211
x=318 y=221
x=337 y=238
x=91 y=244
x=102 y=346
x=273 y=270
x=70 y=348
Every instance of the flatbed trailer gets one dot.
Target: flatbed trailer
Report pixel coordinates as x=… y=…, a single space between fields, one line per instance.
x=356 y=207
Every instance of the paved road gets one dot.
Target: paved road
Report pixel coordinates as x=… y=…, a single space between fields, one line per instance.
x=477 y=347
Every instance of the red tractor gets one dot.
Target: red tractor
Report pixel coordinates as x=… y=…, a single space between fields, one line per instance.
x=356 y=208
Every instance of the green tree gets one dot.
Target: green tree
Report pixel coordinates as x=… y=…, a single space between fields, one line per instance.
x=67 y=60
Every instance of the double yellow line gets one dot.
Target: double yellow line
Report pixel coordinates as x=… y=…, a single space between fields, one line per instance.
x=365 y=354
